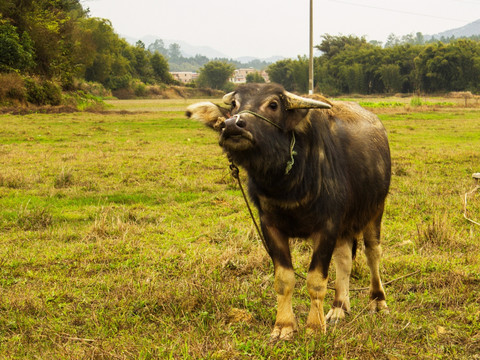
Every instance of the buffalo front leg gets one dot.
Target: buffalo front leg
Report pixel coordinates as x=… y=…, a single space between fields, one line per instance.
x=285 y=323
x=317 y=279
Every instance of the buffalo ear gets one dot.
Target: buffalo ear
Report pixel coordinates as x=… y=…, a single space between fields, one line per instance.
x=294 y=118
x=228 y=98
x=210 y=114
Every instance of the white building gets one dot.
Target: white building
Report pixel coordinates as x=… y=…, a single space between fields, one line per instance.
x=240 y=75
x=184 y=77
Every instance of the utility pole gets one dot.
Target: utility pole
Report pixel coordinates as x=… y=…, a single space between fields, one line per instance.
x=310 y=63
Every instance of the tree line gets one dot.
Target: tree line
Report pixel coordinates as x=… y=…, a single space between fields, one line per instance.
x=350 y=64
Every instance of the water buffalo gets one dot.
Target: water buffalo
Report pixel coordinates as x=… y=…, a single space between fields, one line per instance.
x=316 y=169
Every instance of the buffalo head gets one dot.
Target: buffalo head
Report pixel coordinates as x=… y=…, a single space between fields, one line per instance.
x=253 y=113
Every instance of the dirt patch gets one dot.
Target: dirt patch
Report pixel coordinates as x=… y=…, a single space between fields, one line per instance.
x=181 y=92
x=47 y=109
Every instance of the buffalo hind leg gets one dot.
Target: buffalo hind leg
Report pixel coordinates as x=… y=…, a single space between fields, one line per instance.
x=317 y=279
x=373 y=251
x=284 y=284
x=342 y=257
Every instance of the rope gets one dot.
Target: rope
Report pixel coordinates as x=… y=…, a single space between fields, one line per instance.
x=261 y=117
x=235 y=174
x=465 y=205
x=292 y=153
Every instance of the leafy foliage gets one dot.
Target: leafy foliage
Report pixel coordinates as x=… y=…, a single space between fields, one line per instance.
x=351 y=65
x=255 y=77
x=292 y=74
x=160 y=68
x=15 y=49
x=215 y=74
x=57 y=40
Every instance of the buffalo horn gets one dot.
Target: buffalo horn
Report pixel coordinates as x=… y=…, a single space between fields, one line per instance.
x=227 y=99
x=297 y=102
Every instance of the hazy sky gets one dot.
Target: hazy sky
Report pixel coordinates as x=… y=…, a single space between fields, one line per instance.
x=264 y=28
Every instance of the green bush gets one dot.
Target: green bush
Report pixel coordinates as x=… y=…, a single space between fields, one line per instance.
x=43 y=92
x=119 y=82
x=93 y=88
x=140 y=90
x=35 y=92
x=53 y=93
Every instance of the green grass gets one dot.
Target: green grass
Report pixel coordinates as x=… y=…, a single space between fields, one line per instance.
x=122 y=235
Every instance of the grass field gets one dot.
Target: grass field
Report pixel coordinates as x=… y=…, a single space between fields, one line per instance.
x=123 y=236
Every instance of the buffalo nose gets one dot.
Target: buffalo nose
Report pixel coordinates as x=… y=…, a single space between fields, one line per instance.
x=234 y=122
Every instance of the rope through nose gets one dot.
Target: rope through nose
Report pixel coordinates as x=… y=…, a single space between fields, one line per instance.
x=261 y=117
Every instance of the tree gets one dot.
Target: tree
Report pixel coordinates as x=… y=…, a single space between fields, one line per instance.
x=393 y=40
x=332 y=45
x=174 y=51
x=158 y=46
x=300 y=74
x=403 y=56
x=354 y=78
x=160 y=69
x=449 y=67
x=215 y=74
x=390 y=75
x=16 y=52
x=282 y=72
x=255 y=77
x=141 y=62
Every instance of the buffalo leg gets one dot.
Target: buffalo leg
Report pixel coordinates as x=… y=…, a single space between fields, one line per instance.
x=284 y=283
x=373 y=251
x=317 y=279
x=342 y=257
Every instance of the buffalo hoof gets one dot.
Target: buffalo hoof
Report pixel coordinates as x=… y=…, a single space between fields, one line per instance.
x=379 y=306
x=335 y=315
x=313 y=329
x=283 y=332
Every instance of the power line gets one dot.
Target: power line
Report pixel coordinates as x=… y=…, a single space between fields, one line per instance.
x=476 y=2
x=398 y=11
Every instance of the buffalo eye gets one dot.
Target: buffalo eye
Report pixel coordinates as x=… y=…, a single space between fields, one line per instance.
x=273 y=105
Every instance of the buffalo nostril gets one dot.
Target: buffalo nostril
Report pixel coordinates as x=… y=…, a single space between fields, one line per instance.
x=235 y=122
x=241 y=123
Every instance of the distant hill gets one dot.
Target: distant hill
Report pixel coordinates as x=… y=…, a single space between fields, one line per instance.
x=247 y=59
x=189 y=50
x=468 y=30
